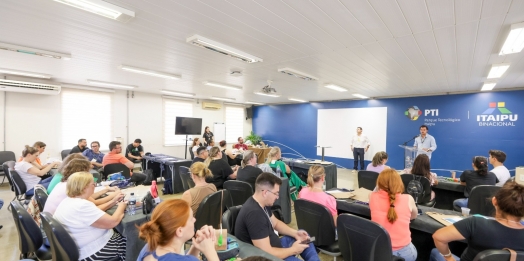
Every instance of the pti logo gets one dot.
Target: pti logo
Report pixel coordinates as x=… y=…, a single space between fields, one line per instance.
x=413 y=113
x=497 y=115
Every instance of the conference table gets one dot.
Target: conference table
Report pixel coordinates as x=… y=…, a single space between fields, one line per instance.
x=169 y=168
x=301 y=166
x=446 y=192
x=422 y=228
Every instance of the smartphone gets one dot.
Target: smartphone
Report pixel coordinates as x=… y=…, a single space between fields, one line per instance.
x=419 y=211
x=309 y=240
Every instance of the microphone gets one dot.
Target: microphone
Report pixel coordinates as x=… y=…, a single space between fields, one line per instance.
x=405 y=143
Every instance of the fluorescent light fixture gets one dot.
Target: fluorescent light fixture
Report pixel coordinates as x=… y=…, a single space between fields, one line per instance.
x=267 y=94
x=360 y=96
x=33 y=51
x=515 y=41
x=497 y=70
x=177 y=93
x=297 y=100
x=102 y=8
x=488 y=86
x=297 y=74
x=256 y=103
x=148 y=72
x=111 y=85
x=209 y=44
x=222 y=98
x=336 y=88
x=221 y=85
x=22 y=73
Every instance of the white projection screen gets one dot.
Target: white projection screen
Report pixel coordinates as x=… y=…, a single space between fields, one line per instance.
x=336 y=128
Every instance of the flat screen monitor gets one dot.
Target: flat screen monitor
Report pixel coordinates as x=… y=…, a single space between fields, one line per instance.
x=188 y=126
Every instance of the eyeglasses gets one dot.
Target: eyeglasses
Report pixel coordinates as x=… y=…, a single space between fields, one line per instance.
x=274 y=193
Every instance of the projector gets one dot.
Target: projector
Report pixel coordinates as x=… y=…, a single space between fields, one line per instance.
x=268 y=88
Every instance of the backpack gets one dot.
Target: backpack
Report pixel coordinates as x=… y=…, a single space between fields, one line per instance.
x=168 y=187
x=149 y=177
x=148 y=204
x=415 y=188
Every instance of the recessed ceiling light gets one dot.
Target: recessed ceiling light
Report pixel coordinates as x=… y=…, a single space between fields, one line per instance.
x=221 y=85
x=148 y=72
x=111 y=85
x=515 y=41
x=297 y=74
x=33 y=51
x=22 y=73
x=102 y=8
x=336 y=88
x=256 y=103
x=177 y=93
x=497 y=70
x=297 y=100
x=267 y=94
x=209 y=44
x=488 y=86
x=222 y=98
x=360 y=96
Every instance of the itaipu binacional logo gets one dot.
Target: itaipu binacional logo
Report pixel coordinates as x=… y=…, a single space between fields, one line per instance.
x=497 y=115
x=413 y=113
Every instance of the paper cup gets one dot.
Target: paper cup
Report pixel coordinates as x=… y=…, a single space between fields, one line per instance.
x=465 y=211
x=453 y=174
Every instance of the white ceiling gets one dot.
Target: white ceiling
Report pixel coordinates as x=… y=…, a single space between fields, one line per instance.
x=377 y=48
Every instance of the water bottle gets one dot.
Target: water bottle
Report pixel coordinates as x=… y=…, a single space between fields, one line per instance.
x=154 y=190
x=279 y=172
x=131 y=204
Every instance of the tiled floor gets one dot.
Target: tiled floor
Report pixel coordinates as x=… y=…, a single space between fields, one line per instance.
x=9 y=236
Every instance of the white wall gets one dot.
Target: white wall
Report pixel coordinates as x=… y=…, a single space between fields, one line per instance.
x=30 y=118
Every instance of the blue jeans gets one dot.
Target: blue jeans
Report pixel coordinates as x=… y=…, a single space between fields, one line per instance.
x=409 y=252
x=309 y=254
x=43 y=182
x=460 y=203
x=436 y=256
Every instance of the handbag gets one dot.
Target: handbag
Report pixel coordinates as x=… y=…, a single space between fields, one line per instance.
x=148 y=203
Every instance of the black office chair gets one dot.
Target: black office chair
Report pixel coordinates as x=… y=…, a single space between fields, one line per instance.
x=63 y=246
x=479 y=201
x=367 y=179
x=19 y=186
x=65 y=153
x=497 y=255
x=4 y=157
x=31 y=242
x=41 y=198
x=117 y=167
x=318 y=221
x=191 y=152
x=363 y=239
x=211 y=208
x=229 y=219
x=423 y=198
x=240 y=191
x=185 y=176
x=293 y=189
x=6 y=167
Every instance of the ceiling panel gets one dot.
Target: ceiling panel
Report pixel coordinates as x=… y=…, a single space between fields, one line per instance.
x=410 y=47
x=442 y=13
x=494 y=8
x=428 y=47
x=367 y=16
x=466 y=35
x=447 y=49
x=467 y=11
x=390 y=13
x=417 y=15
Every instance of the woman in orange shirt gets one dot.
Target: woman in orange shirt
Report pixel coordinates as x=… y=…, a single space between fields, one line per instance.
x=40 y=146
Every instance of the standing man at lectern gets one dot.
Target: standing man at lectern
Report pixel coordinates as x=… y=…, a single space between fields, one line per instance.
x=359 y=146
x=425 y=143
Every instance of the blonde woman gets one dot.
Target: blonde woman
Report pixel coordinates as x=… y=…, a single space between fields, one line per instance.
x=220 y=169
x=314 y=191
x=195 y=195
x=378 y=164
x=273 y=159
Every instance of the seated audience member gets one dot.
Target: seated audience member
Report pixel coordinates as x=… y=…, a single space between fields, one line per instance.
x=59 y=192
x=135 y=151
x=378 y=164
x=94 y=155
x=506 y=230
x=240 y=145
x=82 y=145
x=496 y=159
x=421 y=167
x=30 y=174
x=256 y=224
x=228 y=156
x=89 y=226
x=201 y=154
x=316 y=177
x=210 y=145
x=57 y=178
x=40 y=146
x=394 y=210
x=220 y=169
x=471 y=178
x=168 y=231
x=208 y=136
x=248 y=171
x=195 y=195
x=114 y=156
x=196 y=145
x=273 y=159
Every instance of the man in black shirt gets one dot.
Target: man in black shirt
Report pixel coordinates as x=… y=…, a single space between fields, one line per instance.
x=135 y=151
x=202 y=154
x=256 y=225
x=82 y=145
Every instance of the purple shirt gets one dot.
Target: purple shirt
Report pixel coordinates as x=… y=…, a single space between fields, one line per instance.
x=377 y=169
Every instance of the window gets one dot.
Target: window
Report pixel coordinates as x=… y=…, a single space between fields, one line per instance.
x=172 y=109
x=87 y=115
x=234 y=123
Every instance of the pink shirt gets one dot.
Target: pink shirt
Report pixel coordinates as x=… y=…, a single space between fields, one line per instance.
x=398 y=231
x=321 y=198
x=377 y=169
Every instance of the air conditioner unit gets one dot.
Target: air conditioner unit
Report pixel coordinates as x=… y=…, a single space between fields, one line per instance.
x=211 y=105
x=214 y=46
x=297 y=74
x=29 y=87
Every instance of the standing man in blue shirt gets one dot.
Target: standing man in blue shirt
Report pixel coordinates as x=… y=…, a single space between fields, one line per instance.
x=425 y=143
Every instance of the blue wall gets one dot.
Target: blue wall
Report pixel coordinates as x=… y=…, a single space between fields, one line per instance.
x=295 y=125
